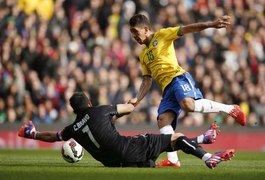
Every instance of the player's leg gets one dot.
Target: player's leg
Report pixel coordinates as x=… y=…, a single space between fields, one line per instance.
x=191 y=100
x=209 y=106
x=181 y=142
x=184 y=94
x=209 y=136
x=164 y=121
x=168 y=113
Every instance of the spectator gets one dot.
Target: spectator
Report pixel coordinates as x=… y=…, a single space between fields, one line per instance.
x=49 y=49
x=2 y=111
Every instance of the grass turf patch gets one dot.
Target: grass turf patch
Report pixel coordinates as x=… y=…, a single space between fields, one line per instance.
x=48 y=165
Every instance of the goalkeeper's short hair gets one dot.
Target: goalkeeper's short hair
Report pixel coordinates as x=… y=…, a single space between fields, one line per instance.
x=79 y=101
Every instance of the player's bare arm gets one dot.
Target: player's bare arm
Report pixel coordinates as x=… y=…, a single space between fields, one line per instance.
x=29 y=131
x=221 y=22
x=144 y=89
x=124 y=109
x=47 y=136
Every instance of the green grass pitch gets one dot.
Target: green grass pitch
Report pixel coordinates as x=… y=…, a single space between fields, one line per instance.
x=48 y=165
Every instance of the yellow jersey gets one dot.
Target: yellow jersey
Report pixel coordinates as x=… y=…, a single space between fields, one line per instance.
x=159 y=60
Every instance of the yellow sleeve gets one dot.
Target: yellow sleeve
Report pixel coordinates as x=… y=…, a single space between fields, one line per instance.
x=170 y=33
x=145 y=70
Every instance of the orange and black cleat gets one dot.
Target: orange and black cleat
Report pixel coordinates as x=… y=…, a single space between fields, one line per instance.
x=218 y=157
x=238 y=115
x=166 y=162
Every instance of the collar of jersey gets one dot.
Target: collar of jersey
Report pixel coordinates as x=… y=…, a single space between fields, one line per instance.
x=148 y=43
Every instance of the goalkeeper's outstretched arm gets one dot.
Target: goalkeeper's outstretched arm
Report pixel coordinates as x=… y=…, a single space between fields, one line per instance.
x=124 y=109
x=47 y=136
x=28 y=131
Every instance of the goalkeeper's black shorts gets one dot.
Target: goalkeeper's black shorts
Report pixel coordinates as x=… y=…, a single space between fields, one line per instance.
x=143 y=150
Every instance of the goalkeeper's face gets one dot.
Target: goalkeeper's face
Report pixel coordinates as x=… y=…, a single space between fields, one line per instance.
x=139 y=34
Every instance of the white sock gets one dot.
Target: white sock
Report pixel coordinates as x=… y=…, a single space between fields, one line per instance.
x=200 y=139
x=208 y=106
x=206 y=156
x=172 y=156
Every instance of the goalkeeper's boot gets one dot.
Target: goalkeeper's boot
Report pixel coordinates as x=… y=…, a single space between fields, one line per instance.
x=238 y=115
x=166 y=162
x=27 y=130
x=218 y=157
x=211 y=133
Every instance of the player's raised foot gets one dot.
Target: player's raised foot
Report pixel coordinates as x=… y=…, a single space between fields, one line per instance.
x=238 y=115
x=211 y=133
x=166 y=162
x=218 y=157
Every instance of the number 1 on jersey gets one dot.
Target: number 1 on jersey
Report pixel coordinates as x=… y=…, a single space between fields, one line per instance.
x=90 y=135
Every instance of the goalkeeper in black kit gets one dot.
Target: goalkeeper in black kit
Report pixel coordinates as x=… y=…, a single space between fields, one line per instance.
x=94 y=129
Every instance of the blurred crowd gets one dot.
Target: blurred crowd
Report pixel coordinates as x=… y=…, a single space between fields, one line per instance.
x=51 y=48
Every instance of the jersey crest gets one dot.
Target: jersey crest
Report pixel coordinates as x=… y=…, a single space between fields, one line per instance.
x=155 y=43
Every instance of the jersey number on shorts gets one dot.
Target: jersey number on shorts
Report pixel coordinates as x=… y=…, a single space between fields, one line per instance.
x=186 y=87
x=90 y=135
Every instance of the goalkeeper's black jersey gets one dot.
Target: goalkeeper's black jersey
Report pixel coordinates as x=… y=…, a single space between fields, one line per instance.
x=94 y=130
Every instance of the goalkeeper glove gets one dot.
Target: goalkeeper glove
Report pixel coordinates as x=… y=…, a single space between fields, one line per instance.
x=28 y=131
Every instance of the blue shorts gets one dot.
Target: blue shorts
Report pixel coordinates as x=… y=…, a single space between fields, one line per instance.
x=181 y=87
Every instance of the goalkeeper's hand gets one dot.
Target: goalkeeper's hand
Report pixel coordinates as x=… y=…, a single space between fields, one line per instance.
x=27 y=131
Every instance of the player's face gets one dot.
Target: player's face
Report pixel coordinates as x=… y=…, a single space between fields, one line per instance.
x=139 y=34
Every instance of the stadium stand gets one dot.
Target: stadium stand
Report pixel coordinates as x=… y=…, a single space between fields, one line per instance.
x=49 y=49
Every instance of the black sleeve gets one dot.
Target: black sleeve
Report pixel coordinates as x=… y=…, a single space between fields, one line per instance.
x=66 y=133
x=110 y=110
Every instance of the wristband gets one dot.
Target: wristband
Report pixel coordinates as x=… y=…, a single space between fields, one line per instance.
x=34 y=135
x=59 y=136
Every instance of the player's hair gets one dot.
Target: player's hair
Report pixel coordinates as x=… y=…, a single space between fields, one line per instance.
x=139 y=20
x=79 y=101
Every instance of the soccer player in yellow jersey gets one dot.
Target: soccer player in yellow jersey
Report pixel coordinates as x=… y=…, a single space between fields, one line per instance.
x=159 y=62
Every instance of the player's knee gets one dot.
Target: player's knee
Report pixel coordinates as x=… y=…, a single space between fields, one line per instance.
x=187 y=104
x=165 y=119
